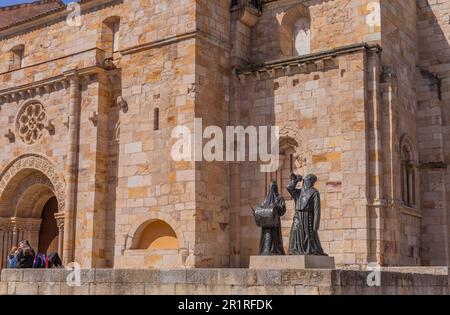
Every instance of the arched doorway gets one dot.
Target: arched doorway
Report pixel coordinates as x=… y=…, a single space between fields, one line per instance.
x=48 y=234
x=30 y=205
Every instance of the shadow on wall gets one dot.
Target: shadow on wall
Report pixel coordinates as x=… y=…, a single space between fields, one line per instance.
x=433 y=114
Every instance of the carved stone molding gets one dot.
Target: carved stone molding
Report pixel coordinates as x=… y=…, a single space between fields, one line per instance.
x=16 y=225
x=312 y=62
x=40 y=163
x=47 y=85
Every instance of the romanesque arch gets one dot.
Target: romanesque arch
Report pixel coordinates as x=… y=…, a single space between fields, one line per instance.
x=27 y=184
x=27 y=166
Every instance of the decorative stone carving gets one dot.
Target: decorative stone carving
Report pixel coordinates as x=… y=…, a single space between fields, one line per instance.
x=108 y=64
x=31 y=122
x=50 y=128
x=32 y=161
x=94 y=119
x=11 y=136
x=122 y=103
x=60 y=217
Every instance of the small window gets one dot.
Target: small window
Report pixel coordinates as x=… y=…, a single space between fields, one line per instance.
x=156 y=119
x=116 y=36
x=302 y=37
x=16 y=57
x=408 y=178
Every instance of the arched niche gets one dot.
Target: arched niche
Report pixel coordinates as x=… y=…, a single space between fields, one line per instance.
x=109 y=37
x=156 y=235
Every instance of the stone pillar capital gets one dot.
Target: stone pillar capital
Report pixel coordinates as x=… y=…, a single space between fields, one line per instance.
x=60 y=220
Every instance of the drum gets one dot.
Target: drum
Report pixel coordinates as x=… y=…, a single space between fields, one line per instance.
x=266 y=217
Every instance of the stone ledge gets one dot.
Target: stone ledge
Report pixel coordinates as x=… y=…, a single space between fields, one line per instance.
x=219 y=281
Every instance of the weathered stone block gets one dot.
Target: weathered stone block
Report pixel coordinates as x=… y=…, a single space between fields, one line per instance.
x=159 y=289
x=26 y=288
x=12 y=275
x=3 y=288
x=172 y=276
x=190 y=289
x=236 y=277
x=202 y=276
x=81 y=290
x=45 y=275
x=49 y=288
x=291 y=262
x=126 y=276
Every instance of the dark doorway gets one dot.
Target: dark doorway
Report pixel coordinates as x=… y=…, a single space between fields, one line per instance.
x=48 y=235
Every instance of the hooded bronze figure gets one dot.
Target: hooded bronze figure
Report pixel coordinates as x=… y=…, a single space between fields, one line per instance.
x=304 y=239
x=268 y=218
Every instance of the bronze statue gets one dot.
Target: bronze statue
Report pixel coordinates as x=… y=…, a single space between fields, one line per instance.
x=268 y=218
x=304 y=239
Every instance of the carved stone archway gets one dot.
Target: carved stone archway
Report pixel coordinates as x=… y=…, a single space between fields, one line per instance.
x=38 y=163
x=26 y=184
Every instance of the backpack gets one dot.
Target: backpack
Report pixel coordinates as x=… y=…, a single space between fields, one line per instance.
x=40 y=262
x=54 y=261
x=12 y=262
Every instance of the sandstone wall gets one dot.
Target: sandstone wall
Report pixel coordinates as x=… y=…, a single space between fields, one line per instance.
x=219 y=282
x=401 y=223
x=333 y=24
x=433 y=79
x=212 y=105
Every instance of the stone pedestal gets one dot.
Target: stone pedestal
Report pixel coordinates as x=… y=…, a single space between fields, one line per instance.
x=292 y=262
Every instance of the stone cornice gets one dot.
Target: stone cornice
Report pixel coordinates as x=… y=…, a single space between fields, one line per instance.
x=47 y=85
x=315 y=58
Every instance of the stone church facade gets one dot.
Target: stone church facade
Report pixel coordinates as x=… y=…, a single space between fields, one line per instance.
x=359 y=89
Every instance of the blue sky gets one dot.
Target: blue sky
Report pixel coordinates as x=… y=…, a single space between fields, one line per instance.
x=4 y=3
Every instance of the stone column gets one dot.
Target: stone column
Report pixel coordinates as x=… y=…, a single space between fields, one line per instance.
x=60 y=219
x=3 y=249
x=72 y=167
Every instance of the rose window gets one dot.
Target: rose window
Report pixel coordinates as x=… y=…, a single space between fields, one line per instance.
x=31 y=123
